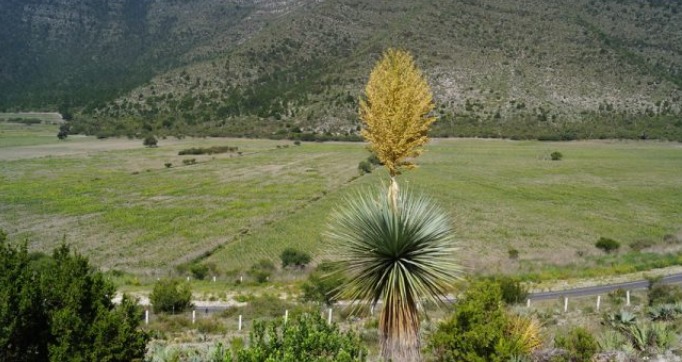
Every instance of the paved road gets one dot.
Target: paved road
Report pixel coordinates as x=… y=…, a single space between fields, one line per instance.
x=576 y=292
x=602 y=289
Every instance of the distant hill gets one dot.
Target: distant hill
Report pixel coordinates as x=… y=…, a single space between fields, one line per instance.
x=519 y=69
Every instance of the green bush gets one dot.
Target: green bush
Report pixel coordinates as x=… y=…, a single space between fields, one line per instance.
x=365 y=167
x=321 y=285
x=659 y=293
x=199 y=271
x=556 y=156
x=607 y=244
x=303 y=338
x=168 y=164
x=478 y=329
x=293 y=257
x=189 y=161
x=150 y=141
x=513 y=291
x=207 y=150
x=58 y=308
x=169 y=296
x=262 y=270
x=579 y=344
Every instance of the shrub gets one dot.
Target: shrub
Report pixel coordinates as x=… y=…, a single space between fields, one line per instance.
x=659 y=293
x=512 y=290
x=58 y=308
x=607 y=244
x=297 y=143
x=556 y=156
x=364 y=167
x=374 y=160
x=480 y=329
x=513 y=253
x=579 y=344
x=304 y=338
x=262 y=270
x=199 y=271
x=321 y=285
x=207 y=150
x=150 y=141
x=168 y=164
x=189 y=161
x=293 y=257
x=169 y=296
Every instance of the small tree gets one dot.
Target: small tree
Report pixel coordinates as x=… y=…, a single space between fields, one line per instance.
x=150 y=141
x=556 y=156
x=58 y=308
x=169 y=296
x=293 y=257
x=64 y=130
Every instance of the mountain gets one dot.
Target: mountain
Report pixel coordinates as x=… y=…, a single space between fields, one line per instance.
x=521 y=69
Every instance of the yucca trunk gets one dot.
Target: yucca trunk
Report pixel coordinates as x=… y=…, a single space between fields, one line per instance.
x=393 y=191
x=399 y=332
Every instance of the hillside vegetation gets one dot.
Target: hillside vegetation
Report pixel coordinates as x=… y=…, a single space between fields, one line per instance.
x=521 y=69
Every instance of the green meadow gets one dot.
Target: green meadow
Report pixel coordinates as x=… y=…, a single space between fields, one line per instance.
x=118 y=203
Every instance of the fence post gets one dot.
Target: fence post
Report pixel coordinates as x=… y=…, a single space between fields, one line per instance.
x=565 y=304
x=146 y=316
x=329 y=317
x=528 y=303
x=598 y=302
x=286 y=315
x=194 y=316
x=240 y=322
x=627 y=298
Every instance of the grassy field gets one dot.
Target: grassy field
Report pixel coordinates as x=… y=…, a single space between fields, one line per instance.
x=115 y=201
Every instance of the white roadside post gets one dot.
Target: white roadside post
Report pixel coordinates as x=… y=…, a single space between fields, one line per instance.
x=598 y=302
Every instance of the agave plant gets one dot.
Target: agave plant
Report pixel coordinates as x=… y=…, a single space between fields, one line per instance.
x=400 y=256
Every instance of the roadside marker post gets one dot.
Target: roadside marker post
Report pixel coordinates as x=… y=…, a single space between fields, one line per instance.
x=240 y=322
x=565 y=304
x=598 y=302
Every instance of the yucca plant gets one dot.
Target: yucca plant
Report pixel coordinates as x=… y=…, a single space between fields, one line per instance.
x=400 y=255
x=524 y=332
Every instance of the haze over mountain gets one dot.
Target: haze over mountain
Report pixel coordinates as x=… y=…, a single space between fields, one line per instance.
x=523 y=68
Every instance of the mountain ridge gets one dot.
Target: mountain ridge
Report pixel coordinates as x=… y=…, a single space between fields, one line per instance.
x=521 y=69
